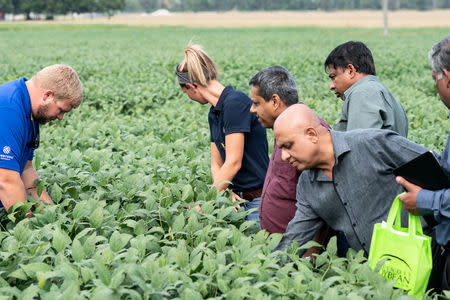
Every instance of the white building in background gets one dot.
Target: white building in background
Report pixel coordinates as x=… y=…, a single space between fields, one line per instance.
x=11 y=17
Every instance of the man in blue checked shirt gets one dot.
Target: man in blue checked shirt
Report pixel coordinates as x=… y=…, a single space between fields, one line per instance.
x=436 y=203
x=24 y=104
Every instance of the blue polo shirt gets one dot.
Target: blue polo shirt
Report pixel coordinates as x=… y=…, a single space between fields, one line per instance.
x=232 y=115
x=15 y=125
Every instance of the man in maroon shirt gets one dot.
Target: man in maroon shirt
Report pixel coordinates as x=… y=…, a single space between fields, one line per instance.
x=274 y=90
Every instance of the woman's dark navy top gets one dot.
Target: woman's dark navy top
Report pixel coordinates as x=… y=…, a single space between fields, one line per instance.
x=232 y=115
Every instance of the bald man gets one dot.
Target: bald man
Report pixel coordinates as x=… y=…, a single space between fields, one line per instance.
x=346 y=181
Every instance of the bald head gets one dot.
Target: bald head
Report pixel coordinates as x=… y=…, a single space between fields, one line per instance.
x=296 y=117
x=301 y=137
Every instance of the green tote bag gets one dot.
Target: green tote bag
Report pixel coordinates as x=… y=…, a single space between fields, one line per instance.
x=407 y=251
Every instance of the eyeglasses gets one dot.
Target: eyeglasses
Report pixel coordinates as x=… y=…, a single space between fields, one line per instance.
x=35 y=140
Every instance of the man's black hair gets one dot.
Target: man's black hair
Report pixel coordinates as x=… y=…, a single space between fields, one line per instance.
x=355 y=53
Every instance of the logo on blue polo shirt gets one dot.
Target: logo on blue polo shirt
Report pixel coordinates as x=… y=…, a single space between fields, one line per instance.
x=5 y=156
x=6 y=149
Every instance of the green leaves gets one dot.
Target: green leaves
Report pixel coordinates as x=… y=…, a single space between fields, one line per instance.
x=29 y=293
x=33 y=268
x=77 y=251
x=60 y=240
x=19 y=274
x=179 y=223
x=89 y=245
x=118 y=241
x=37 y=161
x=96 y=218
x=187 y=193
x=127 y=168
x=22 y=232
x=95 y=165
x=40 y=186
x=222 y=239
x=56 y=193
x=103 y=273
x=18 y=210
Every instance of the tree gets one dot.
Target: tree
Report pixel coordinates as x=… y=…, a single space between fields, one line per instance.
x=82 y=6
x=133 y=6
x=53 y=7
x=150 y=5
x=325 y=4
x=110 y=6
x=421 y=4
x=29 y=6
x=6 y=6
x=17 y=6
x=370 y=4
x=444 y=3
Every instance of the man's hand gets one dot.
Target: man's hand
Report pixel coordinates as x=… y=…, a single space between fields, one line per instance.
x=29 y=177
x=410 y=197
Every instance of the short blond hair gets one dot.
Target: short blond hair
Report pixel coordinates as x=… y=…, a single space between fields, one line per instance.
x=63 y=80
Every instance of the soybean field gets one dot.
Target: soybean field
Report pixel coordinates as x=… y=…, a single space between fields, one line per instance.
x=124 y=168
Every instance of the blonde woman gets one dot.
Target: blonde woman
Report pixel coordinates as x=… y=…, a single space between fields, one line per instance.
x=238 y=141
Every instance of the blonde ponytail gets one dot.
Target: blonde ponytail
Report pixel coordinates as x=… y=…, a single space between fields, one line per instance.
x=200 y=67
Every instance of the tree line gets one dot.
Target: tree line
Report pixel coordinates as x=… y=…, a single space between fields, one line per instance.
x=53 y=7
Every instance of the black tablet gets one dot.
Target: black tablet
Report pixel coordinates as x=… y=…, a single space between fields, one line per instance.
x=424 y=171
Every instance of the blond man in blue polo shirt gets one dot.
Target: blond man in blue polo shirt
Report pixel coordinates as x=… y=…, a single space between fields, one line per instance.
x=24 y=104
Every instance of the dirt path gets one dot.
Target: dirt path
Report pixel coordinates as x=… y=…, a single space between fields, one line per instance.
x=437 y=18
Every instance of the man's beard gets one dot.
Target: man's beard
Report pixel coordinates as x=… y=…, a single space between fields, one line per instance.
x=41 y=115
